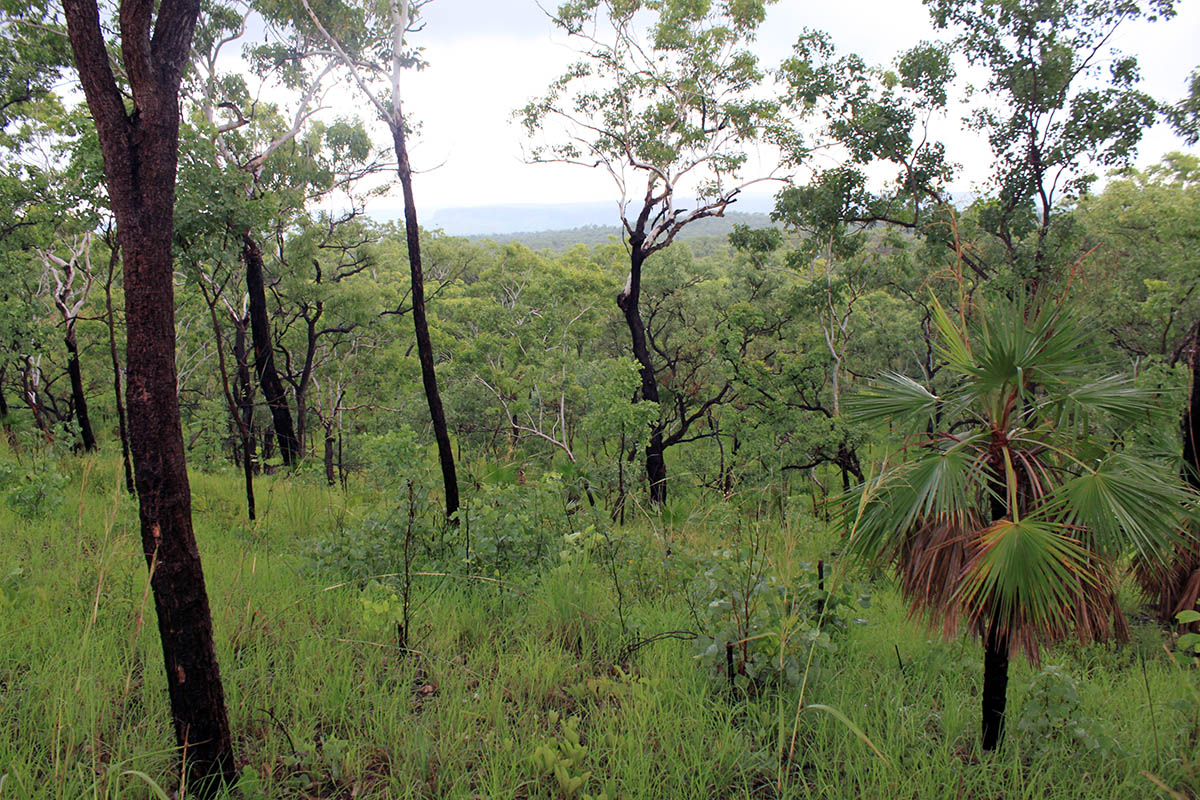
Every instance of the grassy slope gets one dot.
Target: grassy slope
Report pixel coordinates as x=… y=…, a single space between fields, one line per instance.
x=322 y=706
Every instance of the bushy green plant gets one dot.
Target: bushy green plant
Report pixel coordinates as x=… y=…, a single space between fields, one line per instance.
x=1189 y=642
x=562 y=758
x=372 y=548
x=32 y=492
x=516 y=526
x=757 y=628
x=1053 y=716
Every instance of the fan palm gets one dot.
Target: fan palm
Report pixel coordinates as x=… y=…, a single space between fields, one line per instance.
x=1009 y=505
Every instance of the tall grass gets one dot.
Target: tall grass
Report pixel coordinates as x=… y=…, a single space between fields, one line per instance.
x=324 y=705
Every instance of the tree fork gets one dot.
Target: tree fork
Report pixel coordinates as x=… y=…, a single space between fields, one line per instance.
x=140 y=152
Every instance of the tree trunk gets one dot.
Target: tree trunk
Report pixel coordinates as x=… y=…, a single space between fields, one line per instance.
x=231 y=401
x=306 y=373
x=420 y=324
x=995 y=685
x=4 y=411
x=330 y=477
x=264 y=352
x=656 y=465
x=140 y=150
x=77 y=395
x=1191 y=421
x=244 y=389
x=114 y=250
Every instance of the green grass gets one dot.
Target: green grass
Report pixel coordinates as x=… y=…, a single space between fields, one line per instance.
x=323 y=705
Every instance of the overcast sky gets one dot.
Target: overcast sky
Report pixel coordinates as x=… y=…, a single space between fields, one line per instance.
x=489 y=57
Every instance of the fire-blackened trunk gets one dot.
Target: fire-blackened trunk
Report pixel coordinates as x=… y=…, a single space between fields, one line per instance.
x=656 y=465
x=78 y=398
x=421 y=325
x=264 y=352
x=140 y=151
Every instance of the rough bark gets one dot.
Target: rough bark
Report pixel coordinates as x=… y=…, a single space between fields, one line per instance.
x=421 y=325
x=243 y=388
x=140 y=151
x=264 y=352
x=656 y=465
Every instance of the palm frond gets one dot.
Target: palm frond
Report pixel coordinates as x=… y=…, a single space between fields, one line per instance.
x=1028 y=576
x=896 y=396
x=954 y=345
x=1124 y=503
x=944 y=480
x=1115 y=394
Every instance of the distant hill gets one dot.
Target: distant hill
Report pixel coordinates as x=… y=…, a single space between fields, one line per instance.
x=497 y=220
x=590 y=235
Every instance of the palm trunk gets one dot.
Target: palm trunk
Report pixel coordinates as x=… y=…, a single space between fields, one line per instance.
x=995 y=685
x=424 y=346
x=1191 y=420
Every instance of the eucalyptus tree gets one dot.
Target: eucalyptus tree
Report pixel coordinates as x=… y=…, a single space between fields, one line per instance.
x=1007 y=506
x=1058 y=101
x=365 y=40
x=667 y=100
x=139 y=143
x=1185 y=115
x=72 y=278
x=276 y=156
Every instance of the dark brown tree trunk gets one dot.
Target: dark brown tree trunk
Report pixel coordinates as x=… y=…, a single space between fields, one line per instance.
x=420 y=324
x=110 y=318
x=243 y=388
x=306 y=373
x=264 y=352
x=30 y=379
x=656 y=465
x=79 y=399
x=995 y=685
x=330 y=477
x=4 y=408
x=140 y=150
x=1191 y=421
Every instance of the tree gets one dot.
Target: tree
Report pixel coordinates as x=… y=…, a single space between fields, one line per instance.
x=1059 y=102
x=140 y=149
x=665 y=111
x=69 y=300
x=1007 y=507
x=401 y=15
x=1185 y=115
